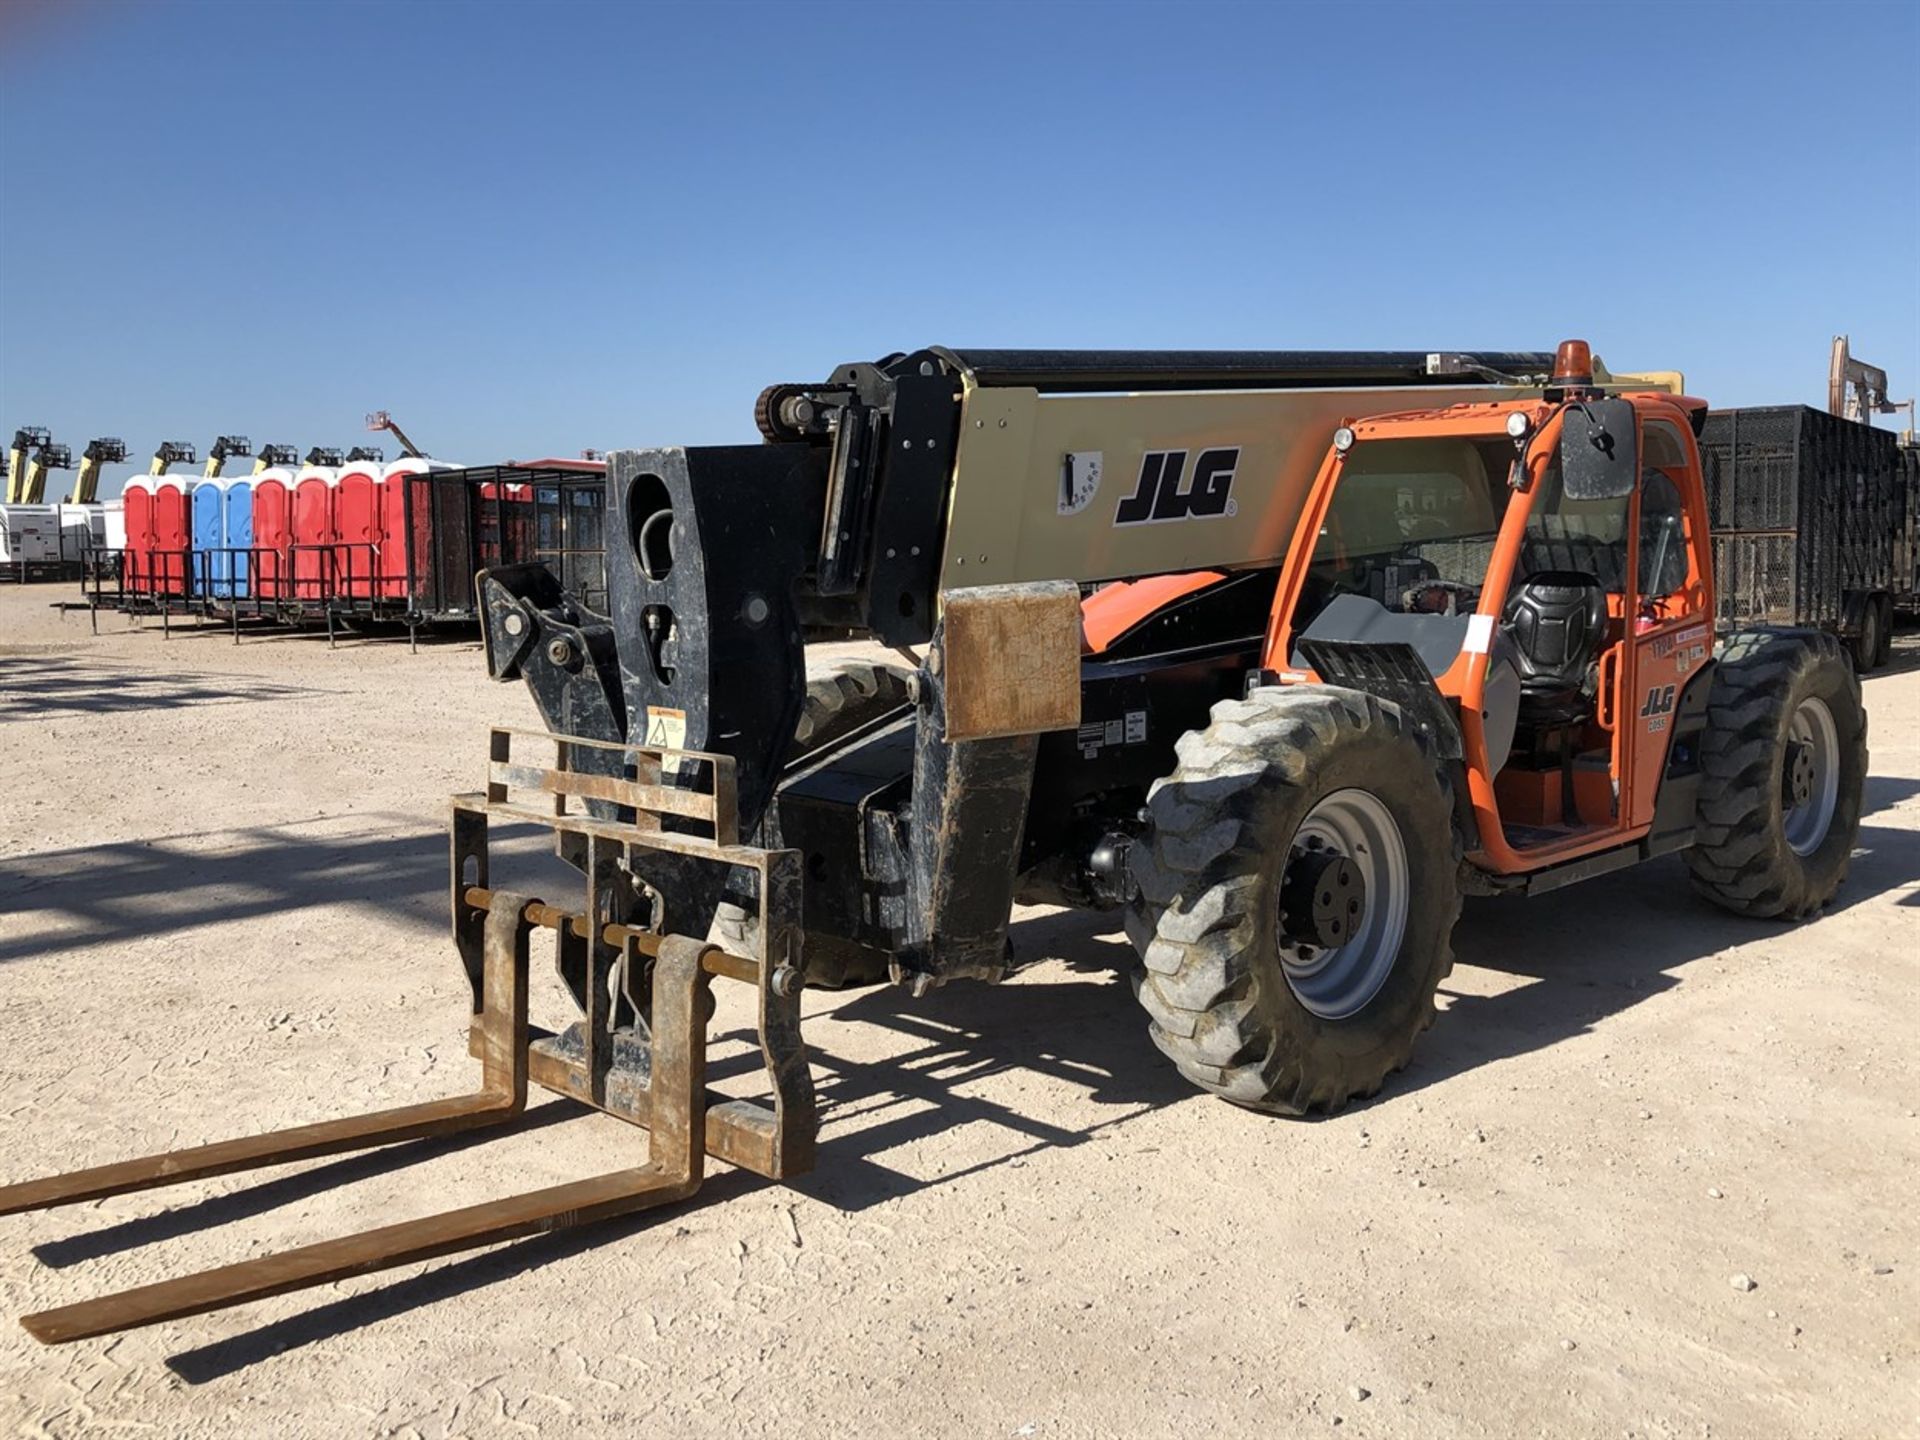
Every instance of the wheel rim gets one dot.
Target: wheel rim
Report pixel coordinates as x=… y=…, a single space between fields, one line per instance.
x=1336 y=981
x=1808 y=800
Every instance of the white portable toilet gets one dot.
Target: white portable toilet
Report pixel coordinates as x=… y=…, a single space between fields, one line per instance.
x=113 y=524
x=82 y=529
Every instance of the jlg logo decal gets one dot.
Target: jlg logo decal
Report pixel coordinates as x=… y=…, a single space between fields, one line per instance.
x=1159 y=495
x=1658 y=707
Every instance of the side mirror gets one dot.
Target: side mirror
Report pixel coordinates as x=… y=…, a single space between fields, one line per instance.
x=1599 y=449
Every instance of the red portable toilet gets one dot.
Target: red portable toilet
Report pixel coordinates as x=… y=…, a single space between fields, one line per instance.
x=356 y=528
x=172 y=533
x=394 y=579
x=136 y=557
x=272 y=531
x=313 y=532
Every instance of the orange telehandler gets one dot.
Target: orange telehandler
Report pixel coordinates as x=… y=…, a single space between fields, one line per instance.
x=1277 y=655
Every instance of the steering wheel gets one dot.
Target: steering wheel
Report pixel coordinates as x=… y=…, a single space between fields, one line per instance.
x=1439 y=597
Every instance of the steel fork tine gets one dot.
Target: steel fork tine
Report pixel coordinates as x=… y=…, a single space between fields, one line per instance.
x=673 y=1172
x=502 y=1097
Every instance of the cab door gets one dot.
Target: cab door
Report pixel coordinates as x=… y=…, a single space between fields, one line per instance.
x=1669 y=633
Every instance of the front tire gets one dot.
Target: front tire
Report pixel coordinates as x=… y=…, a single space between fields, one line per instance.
x=1297 y=898
x=1783 y=765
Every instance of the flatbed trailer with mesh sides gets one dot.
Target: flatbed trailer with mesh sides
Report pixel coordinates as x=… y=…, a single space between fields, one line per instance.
x=1816 y=522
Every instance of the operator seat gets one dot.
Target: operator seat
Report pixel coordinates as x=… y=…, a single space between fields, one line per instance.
x=1557 y=620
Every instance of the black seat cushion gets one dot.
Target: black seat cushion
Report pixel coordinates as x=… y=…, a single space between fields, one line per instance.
x=1558 y=622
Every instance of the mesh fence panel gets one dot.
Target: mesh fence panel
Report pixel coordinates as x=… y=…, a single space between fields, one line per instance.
x=1906 y=545
x=1821 y=500
x=1754 y=580
x=1753 y=463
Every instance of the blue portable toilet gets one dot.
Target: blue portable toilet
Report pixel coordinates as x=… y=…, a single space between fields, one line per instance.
x=238 y=511
x=210 y=570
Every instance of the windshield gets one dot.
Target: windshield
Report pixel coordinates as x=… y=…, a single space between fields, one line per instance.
x=1413 y=522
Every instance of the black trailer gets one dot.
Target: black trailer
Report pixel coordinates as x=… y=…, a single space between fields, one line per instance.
x=1814 y=522
x=455 y=524
x=460 y=522
x=1906 y=542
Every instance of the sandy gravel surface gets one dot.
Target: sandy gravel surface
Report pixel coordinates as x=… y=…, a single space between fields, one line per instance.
x=222 y=909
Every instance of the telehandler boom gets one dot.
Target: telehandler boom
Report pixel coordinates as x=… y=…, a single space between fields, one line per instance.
x=22 y=457
x=1277 y=654
x=170 y=453
x=46 y=458
x=107 y=450
x=225 y=448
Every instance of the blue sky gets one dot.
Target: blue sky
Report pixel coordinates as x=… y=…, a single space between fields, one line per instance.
x=529 y=229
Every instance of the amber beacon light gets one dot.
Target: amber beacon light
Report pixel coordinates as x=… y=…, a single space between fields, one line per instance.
x=1573 y=363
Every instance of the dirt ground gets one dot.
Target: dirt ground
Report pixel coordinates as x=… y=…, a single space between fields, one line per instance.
x=222 y=909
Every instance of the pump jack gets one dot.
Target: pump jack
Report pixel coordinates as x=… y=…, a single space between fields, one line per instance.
x=1858 y=391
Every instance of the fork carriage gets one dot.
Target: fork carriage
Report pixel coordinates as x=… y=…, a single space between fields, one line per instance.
x=638 y=1053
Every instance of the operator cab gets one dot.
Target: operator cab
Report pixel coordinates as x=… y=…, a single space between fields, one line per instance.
x=1403 y=555
x=1598 y=577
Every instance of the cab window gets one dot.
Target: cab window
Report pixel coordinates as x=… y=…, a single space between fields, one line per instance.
x=1410 y=512
x=1662 y=536
x=1575 y=537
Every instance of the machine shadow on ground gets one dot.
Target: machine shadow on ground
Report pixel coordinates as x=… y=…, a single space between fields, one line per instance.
x=1084 y=1030
x=1903 y=654
x=1579 y=973
x=51 y=687
x=148 y=889
x=381 y=634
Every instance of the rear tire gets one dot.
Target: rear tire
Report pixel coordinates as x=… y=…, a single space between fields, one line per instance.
x=1238 y=1003
x=1869 y=642
x=837 y=704
x=1783 y=764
